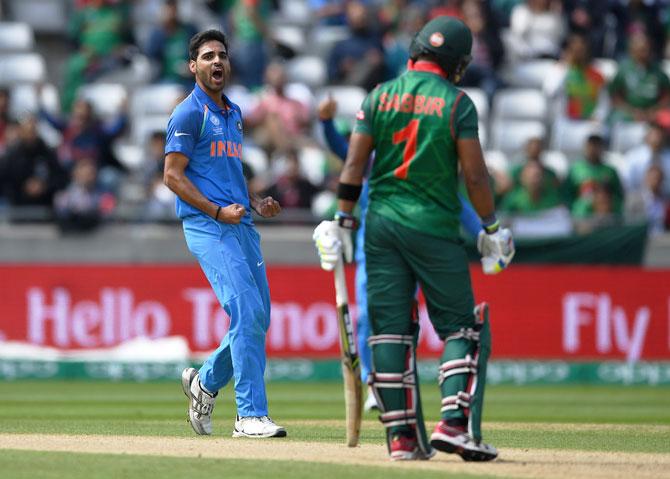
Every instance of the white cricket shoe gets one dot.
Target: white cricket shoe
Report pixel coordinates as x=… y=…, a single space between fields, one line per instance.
x=255 y=426
x=200 y=402
x=371 y=402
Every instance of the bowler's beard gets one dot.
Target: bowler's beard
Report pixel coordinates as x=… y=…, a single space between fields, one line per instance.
x=205 y=78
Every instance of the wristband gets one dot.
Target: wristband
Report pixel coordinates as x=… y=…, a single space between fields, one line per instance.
x=345 y=220
x=348 y=192
x=216 y=217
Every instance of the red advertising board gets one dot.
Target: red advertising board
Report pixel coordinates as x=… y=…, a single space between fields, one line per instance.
x=544 y=312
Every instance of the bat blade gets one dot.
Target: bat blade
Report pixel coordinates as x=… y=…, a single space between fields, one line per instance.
x=351 y=367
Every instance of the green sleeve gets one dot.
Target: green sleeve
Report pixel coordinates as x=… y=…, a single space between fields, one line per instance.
x=617 y=83
x=364 y=116
x=617 y=192
x=569 y=189
x=665 y=82
x=465 y=118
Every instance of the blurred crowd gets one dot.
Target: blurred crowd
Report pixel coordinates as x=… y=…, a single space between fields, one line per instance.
x=573 y=99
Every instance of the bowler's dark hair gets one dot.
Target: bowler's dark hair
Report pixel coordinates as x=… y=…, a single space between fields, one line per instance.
x=203 y=37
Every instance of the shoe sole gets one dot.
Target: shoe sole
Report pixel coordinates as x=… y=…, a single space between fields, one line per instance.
x=278 y=433
x=441 y=443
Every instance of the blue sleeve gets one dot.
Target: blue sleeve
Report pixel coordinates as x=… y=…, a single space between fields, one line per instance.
x=183 y=131
x=469 y=218
x=117 y=126
x=53 y=120
x=336 y=142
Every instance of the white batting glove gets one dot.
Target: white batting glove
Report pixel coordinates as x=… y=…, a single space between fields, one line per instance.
x=497 y=250
x=328 y=244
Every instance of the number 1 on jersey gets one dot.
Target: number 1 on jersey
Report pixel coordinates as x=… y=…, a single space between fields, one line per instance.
x=407 y=135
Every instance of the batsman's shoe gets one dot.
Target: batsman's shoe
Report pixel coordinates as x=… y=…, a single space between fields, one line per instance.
x=200 y=402
x=455 y=440
x=371 y=402
x=254 y=426
x=405 y=448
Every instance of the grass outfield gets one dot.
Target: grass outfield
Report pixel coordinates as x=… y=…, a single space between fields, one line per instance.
x=599 y=419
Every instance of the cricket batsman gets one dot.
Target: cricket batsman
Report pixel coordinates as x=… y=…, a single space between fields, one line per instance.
x=422 y=129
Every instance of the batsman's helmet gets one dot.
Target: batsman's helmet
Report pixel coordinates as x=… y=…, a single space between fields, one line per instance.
x=448 y=40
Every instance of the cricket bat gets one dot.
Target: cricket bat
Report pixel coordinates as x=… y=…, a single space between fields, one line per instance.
x=351 y=366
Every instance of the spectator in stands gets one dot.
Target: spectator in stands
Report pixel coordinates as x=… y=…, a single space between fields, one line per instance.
x=600 y=211
x=85 y=136
x=533 y=154
x=159 y=198
x=359 y=59
x=534 y=193
x=650 y=201
x=640 y=88
x=585 y=177
x=250 y=21
x=654 y=151
x=452 y=8
x=587 y=17
x=487 y=48
x=638 y=16
x=291 y=189
x=328 y=12
x=398 y=37
x=168 y=46
x=101 y=33
x=83 y=204
x=576 y=87
x=29 y=170
x=279 y=122
x=537 y=29
x=4 y=116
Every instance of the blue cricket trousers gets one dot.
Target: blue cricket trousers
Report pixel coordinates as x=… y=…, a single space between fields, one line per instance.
x=231 y=258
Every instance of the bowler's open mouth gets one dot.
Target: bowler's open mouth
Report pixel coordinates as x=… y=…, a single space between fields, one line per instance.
x=217 y=74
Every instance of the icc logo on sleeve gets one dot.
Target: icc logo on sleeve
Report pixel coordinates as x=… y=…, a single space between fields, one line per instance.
x=239 y=125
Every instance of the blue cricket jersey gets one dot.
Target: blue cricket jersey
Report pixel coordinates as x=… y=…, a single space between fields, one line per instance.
x=211 y=138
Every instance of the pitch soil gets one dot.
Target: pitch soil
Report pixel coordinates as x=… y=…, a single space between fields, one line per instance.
x=521 y=463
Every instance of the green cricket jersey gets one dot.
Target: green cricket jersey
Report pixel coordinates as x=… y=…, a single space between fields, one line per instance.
x=415 y=121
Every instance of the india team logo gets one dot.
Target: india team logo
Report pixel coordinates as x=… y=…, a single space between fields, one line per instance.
x=214 y=120
x=436 y=39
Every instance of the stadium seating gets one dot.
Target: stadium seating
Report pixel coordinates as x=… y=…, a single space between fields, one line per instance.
x=520 y=104
x=510 y=136
x=307 y=69
x=527 y=74
x=496 y=160
x=323 y=38
x=43 y=16
x=23 y=99
x=20 y=68
x=107 y=98
x=349 y=99
x=16 y=37
x=624 y=136
x=155 y=99
x=569 y=135
x=480 y=101
x=557 y=161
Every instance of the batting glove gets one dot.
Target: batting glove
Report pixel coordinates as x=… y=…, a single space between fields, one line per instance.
x=328 y=244
x=497 y=250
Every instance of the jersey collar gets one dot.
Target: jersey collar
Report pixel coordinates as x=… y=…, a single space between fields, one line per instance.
x=205 y=98
x=426 y=66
